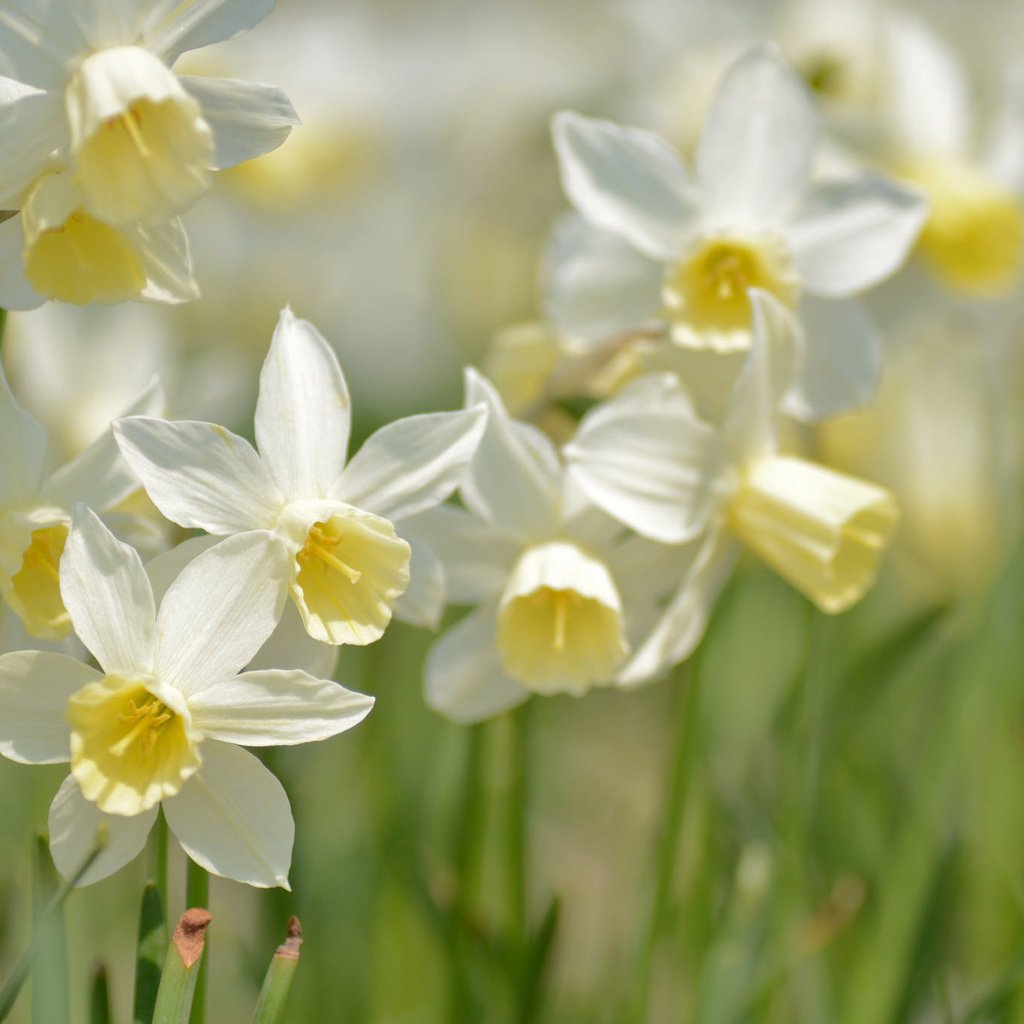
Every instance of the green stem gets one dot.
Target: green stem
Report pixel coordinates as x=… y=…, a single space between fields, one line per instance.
x=278 y=982
x=3 y=328
x=178 y=980
x=158 y=871
x=11 y=988
x=466 y=853
x=517 y=835
x=99 y=998
x=50 y=978
x=666 y=853
x=197 y=895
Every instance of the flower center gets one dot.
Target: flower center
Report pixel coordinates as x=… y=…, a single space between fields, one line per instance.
x=350 y=571
x=141 y=146
x=560 y=624
x=130 y=748
x=35 y=587
x=822 y=531
x=71 y=256
x=974 y=237
x=707 y=290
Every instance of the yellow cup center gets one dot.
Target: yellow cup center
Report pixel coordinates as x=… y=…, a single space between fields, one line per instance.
x=35 y=587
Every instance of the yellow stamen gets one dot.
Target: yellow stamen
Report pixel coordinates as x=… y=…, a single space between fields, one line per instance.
x=131 y=122
x=315 y=546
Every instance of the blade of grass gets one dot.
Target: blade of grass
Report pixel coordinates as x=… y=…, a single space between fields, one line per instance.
x=536 y=965
x=152 y=943
x=278 y=982
x=174 y=1000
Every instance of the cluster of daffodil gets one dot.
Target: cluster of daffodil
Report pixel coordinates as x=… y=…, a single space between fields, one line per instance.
x=711 y=316
x=106 y=146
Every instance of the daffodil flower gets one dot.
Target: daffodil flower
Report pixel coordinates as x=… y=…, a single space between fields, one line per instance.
x=973 y=239
x=822 y=531
x=653 y=245
x=105 y=145
x=35 y=509
x=163 y=721
x=562 y=592
x=345 y=563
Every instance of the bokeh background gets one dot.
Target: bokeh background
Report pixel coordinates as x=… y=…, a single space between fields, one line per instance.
x=853 y=837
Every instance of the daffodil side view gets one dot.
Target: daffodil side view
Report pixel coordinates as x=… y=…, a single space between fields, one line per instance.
x=690 y=625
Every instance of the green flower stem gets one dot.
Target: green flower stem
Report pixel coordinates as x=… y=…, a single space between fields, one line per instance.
x=99 y=998
x=3 y=328
x=680 y=772
x=11 y=987
x=278 y=981
x=158 y=863
x=150 y=953
x=517 y=834
x=197 y=894
x=50 y=979
x=178 y=981
x=465 y=862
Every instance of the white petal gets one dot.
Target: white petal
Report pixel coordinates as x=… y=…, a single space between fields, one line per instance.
x=174 y=27
x=304 y=414
x=34 y=691
x=412 y=464
x=107 y=595
x=248 y=118
x=850 y=235
x=477 y=556
x=841 y=360
x=276 y=708
x=423 y=602
x=166 y=262
x=681 y=626
x=233 y=818
x=99 y=476
x=22 y=448
x=36 y=41
x=290 y=646
x=200 y=475
x=75 y=825
x=648 y=460
x=218 y=613
x=166 y=567
x=598 y=285
x=928 y=102
x=776 y=350
x=755 y=152
x=32 y=126
x=15 y=291
x=1004 y=152
x=463 y=678
x=514 y=479
x=627 y=181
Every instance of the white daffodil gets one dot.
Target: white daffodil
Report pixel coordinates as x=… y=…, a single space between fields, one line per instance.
x=35 y=509
x=654 y=246
x=822 y=531
x=163 y=721
x=562 y=592
x=974 y=236
x=345 y=563
x=105 y=145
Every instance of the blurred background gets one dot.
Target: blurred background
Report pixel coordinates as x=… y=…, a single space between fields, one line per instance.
x=853 y=837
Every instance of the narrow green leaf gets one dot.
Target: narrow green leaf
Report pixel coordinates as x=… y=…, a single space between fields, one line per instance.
x=50 y=978
x=181 y=968
x=99 y=998
x=538 y=956
x=278 y=981
x=150 y=953
x=197 y=894
x=15 y=980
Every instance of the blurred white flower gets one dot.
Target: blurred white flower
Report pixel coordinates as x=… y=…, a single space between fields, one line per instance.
x=344 y=561
x=562 y=592
x=655 y=246
x=106 y=145
x=972 y=173
x=820 y=530
x=163 y=721
x=35 y=509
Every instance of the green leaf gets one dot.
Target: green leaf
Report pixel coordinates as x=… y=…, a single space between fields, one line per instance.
x=278 y=981
x=150 y=953
x=181 y=968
